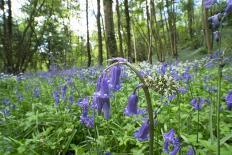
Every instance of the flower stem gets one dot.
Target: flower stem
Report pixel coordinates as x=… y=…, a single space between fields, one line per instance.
x=198 y=125
x=148 y=99
x=218 y=107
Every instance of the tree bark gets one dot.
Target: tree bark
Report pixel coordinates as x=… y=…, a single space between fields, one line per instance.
x=129 y=51
x=88 y=43
x=100 y=55
x=109 y=27
x=119 y=30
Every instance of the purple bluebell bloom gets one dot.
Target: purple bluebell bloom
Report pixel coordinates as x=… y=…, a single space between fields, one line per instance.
x=36 y=92
x=143 y=133
x=170 y=139
x=163 y=68
x=215 y=21
x=84 y=118
x=191 y=151
x=229 y=100
x=209 y=3
x=101 y=99
x=197 y=103
x=63 y=92
x=186 y=76
x=132 y=106
x=182 y=90
x=171 y=97
x=6 y=101
x=71 y=99
x=115 y=77
x=228 y=8
x=56 y=97
x=217 y=36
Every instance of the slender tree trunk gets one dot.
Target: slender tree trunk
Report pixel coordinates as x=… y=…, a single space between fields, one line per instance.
x=88 y=43
x=109 y=27
x=100 y=55
x=119 y=29
x=190 y=13
x=134 y=41
x=129 y=51
x=149 y=34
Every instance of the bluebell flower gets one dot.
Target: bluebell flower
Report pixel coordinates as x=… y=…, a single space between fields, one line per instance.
x=143 y=133
x=163 y=68
x=170 y=139
x=20 y=97
x=215 y=21
x=171 y=97
x=217 y=36
x=197 y=103
x=56 y=97
x=209 y=3
x=6 y=112
x=6 y=101
x=36 y=92
x=115 y=77
x=71 y=99
x=191 y=151
x=84 y=118
x=186 y=76
x=63 y=92
x=182 y=90
x=228 y=8
x=132 y=106
x=229 y=100
x=101 y=99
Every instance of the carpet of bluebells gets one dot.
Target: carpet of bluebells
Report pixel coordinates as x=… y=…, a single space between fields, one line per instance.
x=78 y=111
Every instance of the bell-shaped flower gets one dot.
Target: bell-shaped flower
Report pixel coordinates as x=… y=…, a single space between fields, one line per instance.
x=229 y=100
x=170 y=139
x=191 y=151
x=209 y=3
x=197 y=103
x=143 y=133
x=84 y=118
x=217 y=36
x=115 y=77
x=215 y=21
x=101 y=99
x=228 y=8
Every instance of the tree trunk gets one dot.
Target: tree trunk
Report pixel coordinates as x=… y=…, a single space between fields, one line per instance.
x=119 y=30
x=190 y=13
x=129 y=51
x=100 y=55
x=149 y=38
x=109 y=27
x=88 y=43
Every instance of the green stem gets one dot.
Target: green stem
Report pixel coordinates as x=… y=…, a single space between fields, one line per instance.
x=198 y=125
x=179 y=119
x=211 y=121
x=148 y=99
x=218 y=107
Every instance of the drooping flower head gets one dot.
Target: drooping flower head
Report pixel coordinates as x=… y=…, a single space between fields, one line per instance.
x=217 y=36
x=191 y=151
x=228 y=8
x=101 y=98
x=197 y=103
x=215 y=21
x=84 y=118
x=209 y=3
x=115 y=77
x=56 y=97
x=229 y=100
x=142 y=134
x=36 y=92
x=132 y=105
x=170 y=139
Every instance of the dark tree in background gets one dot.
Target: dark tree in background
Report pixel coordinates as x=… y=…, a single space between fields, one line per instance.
x=119 y=27
x=109 y=28
x=88 y=43
x=99 y=33
x=128 y=31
